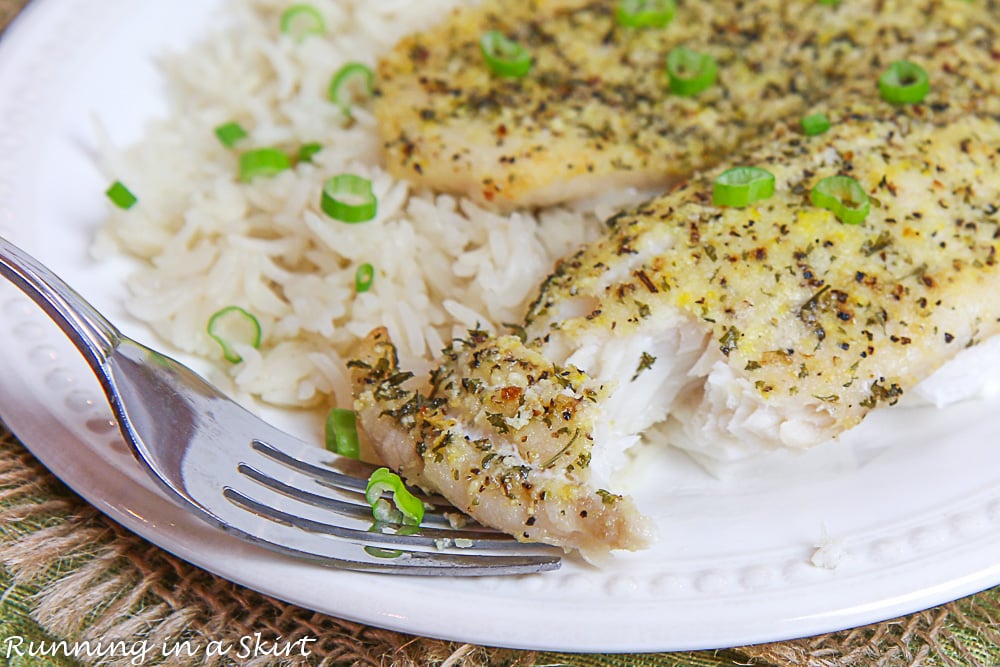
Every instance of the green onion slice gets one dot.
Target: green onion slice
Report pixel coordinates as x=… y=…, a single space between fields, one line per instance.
x=307 y=151
x=349 y=198
x=341 y=433
x=645 y=13
x=121 y=196
x=264 y=162
x=380 y=527
x=380 y=552
x=229 y=133
x=404 y=508
x=504 y=56
x=351 y=84
x=814 y=124
x=742 y=186
x=690 y=72
x=300 y=21
x=904 y=83
x=844 y=197
x=364 y=277
x=232 y=324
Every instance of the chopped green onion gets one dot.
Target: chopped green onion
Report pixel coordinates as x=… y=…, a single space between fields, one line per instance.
x=829 y=2
x=364 y=277
x=504 y=56
x=814 y=124
x=742 y=186
x=380 y=552
x=229 y=133
x=844 y=197
x=404 y=508
x=341 y=433
x=233 y=323
x=349 y=198
x=263 y=162
x=690 y=72
x=379 y=527
x=645 y=13
x=351 y=84
x=307 y=151
x=300 y=21
x=904 y=83
x=121 y=196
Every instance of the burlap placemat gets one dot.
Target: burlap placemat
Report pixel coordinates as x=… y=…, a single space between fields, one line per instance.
x=69 y=574
x=9 y=9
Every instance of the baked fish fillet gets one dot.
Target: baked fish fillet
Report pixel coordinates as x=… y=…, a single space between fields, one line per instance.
x=595 y=112
x=504 y=434
x=747 y=328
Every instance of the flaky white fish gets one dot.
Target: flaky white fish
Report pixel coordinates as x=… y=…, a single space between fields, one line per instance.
x=745 y=329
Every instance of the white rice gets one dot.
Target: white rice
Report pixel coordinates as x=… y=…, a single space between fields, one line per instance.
x=207 y=241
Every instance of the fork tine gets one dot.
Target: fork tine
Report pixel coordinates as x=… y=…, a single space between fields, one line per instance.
x=307 y=538
x=317 y=464
x=417 y=537
x=357 y=510
x=312 y=481
x=320 y=464
x=310 y=468
x=282 y=488
x=284 y=494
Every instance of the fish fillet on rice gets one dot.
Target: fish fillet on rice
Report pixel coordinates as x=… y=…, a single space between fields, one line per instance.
x=595 y=112
x=773 y=325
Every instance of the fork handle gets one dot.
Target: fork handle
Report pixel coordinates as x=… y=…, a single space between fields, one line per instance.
x=90 y=331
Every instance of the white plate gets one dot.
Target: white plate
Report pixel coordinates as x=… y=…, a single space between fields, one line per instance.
x=910 y=502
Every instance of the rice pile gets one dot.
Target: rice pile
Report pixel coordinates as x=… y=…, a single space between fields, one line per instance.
x=208 y=241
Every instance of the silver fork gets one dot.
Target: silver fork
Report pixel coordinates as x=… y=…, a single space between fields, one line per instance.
x=235 y=471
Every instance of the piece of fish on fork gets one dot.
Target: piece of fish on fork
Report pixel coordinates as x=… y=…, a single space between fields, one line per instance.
x=232 y=469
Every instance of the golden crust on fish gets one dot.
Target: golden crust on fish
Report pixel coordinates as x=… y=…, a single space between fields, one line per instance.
x=595 y=111
x=501 y=432
x=805 y=309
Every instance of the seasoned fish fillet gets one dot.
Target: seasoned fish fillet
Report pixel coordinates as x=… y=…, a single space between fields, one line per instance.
x=595 y=111
x=504 y=434
x=750 y=328
x=806 y=324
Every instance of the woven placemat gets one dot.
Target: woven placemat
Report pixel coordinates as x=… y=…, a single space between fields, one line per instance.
x=74 y=580
x=8 y=10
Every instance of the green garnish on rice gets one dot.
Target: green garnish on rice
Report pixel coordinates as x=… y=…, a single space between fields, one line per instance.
x=232 y=325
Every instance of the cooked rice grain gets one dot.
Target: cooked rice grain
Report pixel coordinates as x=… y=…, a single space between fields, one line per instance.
x=207 y=241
